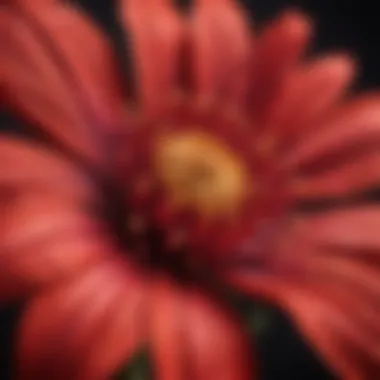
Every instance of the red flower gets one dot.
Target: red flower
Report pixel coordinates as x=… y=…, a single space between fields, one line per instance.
x=206 y=163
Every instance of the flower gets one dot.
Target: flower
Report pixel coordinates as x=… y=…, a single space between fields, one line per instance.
x=132 y=203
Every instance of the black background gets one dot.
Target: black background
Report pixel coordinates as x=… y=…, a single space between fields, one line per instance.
x=343 y=25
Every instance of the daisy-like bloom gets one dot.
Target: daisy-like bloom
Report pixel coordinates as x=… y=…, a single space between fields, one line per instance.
x=122 y=216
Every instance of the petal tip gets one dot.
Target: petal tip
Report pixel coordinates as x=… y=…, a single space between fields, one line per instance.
x=297 y=23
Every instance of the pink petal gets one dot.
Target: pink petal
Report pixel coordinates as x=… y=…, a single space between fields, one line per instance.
x=85 y=329
x=350 y=349
x=194 y=336
x=351 y=273
x=24 y=164
x=311 y=91
x=88 y=59
x=340 y=249
x=353 y=127
x=220 y=46
x=352 y=177
x=339 y=332
x=156 y=35
x=26 y=3
x=167 y=331
x=34 y=84
x=278 y=49
x=218 y=347
x=326 y=274
x=353 y=228
x=45 y=238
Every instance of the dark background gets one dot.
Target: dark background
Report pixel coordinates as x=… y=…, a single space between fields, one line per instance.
x=343 y=25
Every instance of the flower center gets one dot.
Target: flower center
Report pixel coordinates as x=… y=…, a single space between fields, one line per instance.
x=197 y=189
x=200 y=173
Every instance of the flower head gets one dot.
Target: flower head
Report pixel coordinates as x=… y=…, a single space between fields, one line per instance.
x=134 y=201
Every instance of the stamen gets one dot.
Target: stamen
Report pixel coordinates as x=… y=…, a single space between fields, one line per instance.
x=200 y=173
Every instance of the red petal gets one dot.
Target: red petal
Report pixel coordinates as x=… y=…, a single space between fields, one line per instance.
x=340 y=249
x=24 y=164
x=354 y=228
x=336 y=328
x=354 y=126
x=326 y=274
x=45 y=238
x=310 y=93
x=34 y=84
x=157 y=34
x=278 y=49
x=352 y=177
x=218 y=346
x=195 y=337
x=28 y=2
x=350 y=272
x=167 y=331
x=220 y=43
x=351 y=350
x=85 y=329
x=88 y=59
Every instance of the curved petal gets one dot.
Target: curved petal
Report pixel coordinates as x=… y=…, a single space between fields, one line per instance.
x=88 y=60
x=352 y=177
x=354 y=127
x=277 y=50
x=156 y=32
x=45 y=238
x=354 y=229
x=167 y=331
x=85 y=329
x=326 y=275
x=220 y=45
x=29 y=164
x=28 y=2
x=310 y=93
x=219 y=348
x=337 y=329
x=204 y=340
x=36 y=85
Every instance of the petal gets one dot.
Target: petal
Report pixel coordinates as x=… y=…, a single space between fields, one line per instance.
x=194 y=336
x=35 y=84
x=220 y=44
x=310 y=93
x=85 y=329
x=352 y=177
x=167 y=330
x=218 y=346
x=277 y=50
x=156 y=33
x=354 y=228
x=45 y=238
x=88 y=59
x=337 y=329
x=353 y=128
x=341 y=248
x=26 y=3
x=24 y=164
x=326 y=275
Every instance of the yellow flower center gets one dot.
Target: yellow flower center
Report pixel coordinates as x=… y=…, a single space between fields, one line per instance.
x=201 y=173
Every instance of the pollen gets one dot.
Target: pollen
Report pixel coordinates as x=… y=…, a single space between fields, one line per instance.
x=201 y=173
